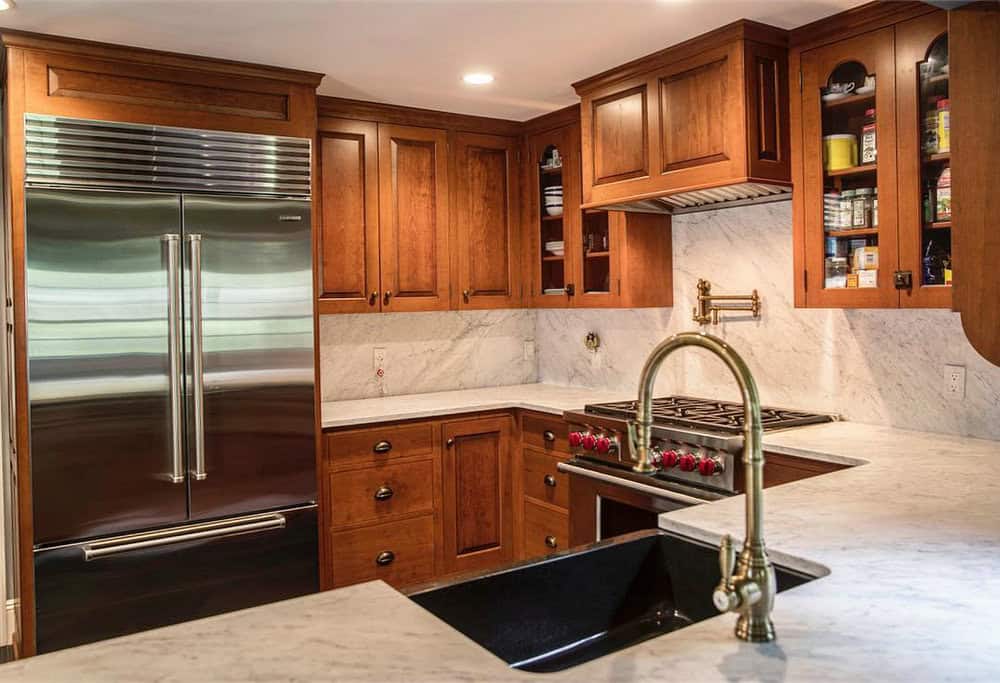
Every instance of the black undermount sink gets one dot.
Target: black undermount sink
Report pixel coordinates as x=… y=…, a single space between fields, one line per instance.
x=559 y=612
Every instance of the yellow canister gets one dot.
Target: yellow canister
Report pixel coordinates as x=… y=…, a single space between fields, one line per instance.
x=840 y=151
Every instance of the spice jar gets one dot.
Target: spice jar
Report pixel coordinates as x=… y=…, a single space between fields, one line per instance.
x=868 y=129
x=846 y=208
x=861 y=208
x=943 y=125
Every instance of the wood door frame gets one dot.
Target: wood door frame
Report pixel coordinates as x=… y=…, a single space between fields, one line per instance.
x=440 y=300
x=876 y=51
x=461 y=257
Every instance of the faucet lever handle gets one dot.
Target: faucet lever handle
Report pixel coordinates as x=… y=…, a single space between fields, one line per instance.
x=727 y=559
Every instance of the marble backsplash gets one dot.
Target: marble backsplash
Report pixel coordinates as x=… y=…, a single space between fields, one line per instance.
x=435 y=351
x=875 y=366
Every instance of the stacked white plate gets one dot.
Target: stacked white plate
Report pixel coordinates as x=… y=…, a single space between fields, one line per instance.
x=556 y=248
x=553 y=196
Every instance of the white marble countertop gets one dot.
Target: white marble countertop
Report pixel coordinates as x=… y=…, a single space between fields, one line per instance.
x=911 y=540
x=546 y=398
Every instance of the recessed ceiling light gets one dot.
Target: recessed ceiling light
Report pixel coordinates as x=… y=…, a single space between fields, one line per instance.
x=475 y=78
x=6 y=4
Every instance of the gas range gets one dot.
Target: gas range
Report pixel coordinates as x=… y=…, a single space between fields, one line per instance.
x=696 y=442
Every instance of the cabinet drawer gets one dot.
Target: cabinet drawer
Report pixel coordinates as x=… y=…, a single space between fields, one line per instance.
x=379 y=444
x=546 y=530
x=375 y=494
x=400 y=553
x=548 y=432
x=543 y=481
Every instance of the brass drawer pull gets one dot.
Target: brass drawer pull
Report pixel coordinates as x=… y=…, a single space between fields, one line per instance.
x=449 y=443
x=385 y=558
x=384 y=492
x=548 y=436
x=551 y=542
x=382 y=447
x=550 y=480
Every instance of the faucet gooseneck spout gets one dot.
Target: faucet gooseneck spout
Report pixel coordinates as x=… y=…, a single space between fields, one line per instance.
x=750 y=590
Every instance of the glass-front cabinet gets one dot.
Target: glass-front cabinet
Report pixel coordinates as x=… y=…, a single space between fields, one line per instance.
x=849 y=154
x=875 y=187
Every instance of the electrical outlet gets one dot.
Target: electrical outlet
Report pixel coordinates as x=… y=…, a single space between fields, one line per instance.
x=378 y=360
x=529 y=349
x=954 y=381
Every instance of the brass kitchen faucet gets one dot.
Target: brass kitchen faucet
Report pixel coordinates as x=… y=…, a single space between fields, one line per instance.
x=750 y=591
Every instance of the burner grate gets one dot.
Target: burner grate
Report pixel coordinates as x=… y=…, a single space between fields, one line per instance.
x=688 y=411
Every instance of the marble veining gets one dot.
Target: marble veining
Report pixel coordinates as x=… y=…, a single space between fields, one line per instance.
x=911 y=541
x=873 y=366
x=425 y=352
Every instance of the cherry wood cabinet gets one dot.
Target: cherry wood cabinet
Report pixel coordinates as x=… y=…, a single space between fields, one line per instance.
x=709 y=112
x=348 y=205
x=588 y=257
x=476 y=506
x=413 y=218
x=894 y=57
x=976 y=92
x=487 y=221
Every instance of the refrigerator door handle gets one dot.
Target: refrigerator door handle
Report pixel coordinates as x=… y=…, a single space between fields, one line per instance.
x=197 y=361
x=152 y=539
x=172 y=242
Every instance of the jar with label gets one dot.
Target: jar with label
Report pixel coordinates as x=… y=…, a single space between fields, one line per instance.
x=875 y=208
x=861 y=208
x=846 y=208
x=942 y=203
x=868 y=147
x=931 y=126
x=831 y=210
x=943 y=125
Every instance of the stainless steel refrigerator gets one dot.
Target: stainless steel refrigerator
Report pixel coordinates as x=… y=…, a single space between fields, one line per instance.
x=170 y=357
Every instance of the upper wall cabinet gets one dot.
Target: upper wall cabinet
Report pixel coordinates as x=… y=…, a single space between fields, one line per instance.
x=872 y=162
x=416 y=217
x=703 y=122
x=487 y=232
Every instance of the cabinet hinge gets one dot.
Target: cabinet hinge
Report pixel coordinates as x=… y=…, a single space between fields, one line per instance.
x=9 y=314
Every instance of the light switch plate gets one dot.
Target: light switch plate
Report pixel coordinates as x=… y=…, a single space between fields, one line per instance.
x=529 y=349
x=954 y=381
x=378 y=359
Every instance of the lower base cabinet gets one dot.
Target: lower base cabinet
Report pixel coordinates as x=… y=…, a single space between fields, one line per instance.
x=401 y=553
x=546 y=529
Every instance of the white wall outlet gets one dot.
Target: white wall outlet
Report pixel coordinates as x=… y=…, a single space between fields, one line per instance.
x=529 y=349
x=954 y=381
x=378 y=360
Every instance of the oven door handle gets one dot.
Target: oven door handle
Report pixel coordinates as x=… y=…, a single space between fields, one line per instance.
x=634 y=485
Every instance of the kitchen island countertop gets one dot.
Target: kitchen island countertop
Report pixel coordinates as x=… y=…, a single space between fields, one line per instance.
x=911 y=540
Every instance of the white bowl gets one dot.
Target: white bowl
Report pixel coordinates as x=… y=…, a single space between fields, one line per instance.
x=554 y=210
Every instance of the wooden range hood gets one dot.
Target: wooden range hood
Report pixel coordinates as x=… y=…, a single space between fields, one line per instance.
x=696 y=126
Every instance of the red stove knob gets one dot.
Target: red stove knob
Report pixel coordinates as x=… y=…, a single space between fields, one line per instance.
x=575 y=439
x=687 y=463
x=709 y=466
x=589 y=442
x=603 y=444
x=670 y=459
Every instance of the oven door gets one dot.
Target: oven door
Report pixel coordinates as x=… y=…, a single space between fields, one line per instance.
x=607 y=502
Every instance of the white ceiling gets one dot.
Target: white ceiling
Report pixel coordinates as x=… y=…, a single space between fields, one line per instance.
x=414 y=52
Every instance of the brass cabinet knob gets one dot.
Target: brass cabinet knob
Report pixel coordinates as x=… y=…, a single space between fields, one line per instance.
x=550 y=480
x=548 y=435
x=385 y=558
x=449 y=443
x=466 y=294
x=384 y=492
x=373 y=297
x=570 y=289
x=551 y=542
x=386 y=297
x=382 y=447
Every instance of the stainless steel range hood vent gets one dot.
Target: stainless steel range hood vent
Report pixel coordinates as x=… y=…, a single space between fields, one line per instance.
x=739 y=194
x=125 y=156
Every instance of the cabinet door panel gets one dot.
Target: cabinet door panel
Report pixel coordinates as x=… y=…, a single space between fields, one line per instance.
x=619 y=136
x=413 y=218
x=693 y=132
x=349 y=249
x=477 y=493
x=486 y=189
